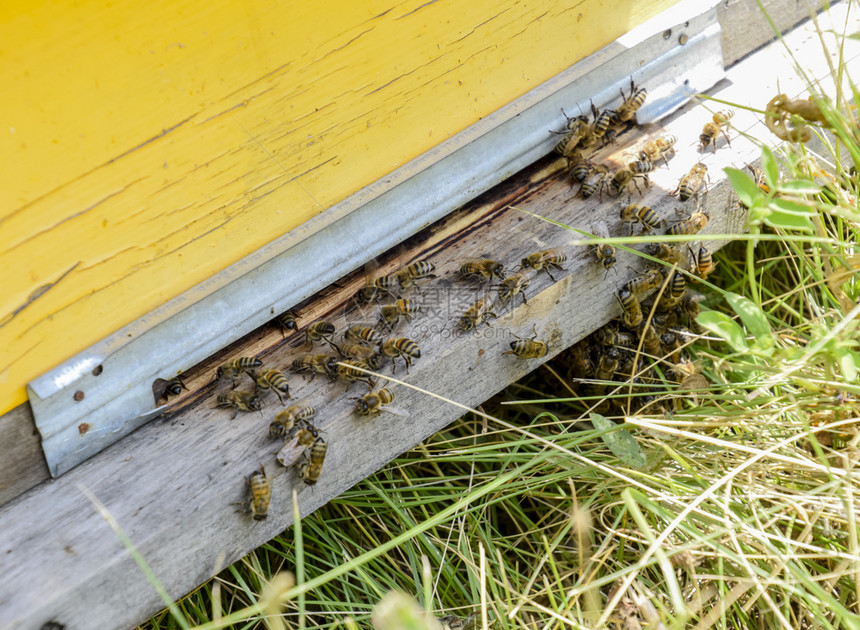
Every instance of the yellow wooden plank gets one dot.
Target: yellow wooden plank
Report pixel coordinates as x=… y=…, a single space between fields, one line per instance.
x=148 y=146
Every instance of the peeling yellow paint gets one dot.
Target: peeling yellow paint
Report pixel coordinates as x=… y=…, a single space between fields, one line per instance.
x=147 y=146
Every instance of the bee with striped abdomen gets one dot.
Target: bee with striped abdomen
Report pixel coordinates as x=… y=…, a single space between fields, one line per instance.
x=402 y=347
x=274 y=380
x=623 y=178
x=690 y=184
x=391 y=314
x=595 y=182
x=363 y=334
x=631 y=103
x=658 y=149
x=544 y=260
x=174 y=386
x=372 y=403
x=603 y=252
x=419 y=270
x=476 y=315
x=310 y=465
x=351 y=370
x=375 y=285
x=316 y=364
x=286 y=420
x=287 y=321
x=693 y=224
x=664 y=252
x=578 y=166
x=646 y=281
x=600 y=127
x=631 y=309
x=633 y=214
x=352 y=350
x=261 y=494
x=712 y=130
x=482 y=270
x=297 y=444
x=240 y=401
x=530 y=348
x=319 y=331
x=576 y=130
x=235 y=367
x=702 y=262
x=512 y=285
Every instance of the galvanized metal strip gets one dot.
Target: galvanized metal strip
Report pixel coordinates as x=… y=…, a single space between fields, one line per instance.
x=105 y=392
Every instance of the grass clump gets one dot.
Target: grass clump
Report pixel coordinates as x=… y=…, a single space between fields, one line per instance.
x=732 y=506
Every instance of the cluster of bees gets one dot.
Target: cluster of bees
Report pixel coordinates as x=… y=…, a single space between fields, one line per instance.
x=365 y=348
x=613 y=350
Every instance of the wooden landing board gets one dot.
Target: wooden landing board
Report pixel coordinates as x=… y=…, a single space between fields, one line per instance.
x=148 y=147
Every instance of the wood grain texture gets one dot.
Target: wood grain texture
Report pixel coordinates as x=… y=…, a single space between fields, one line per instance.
x=149 y=148
x=170 y=485
x=22 y=464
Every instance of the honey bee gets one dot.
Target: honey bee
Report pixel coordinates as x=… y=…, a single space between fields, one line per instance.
x=319 y=331
x=375 y=284
x=352 y=350
x=531 y=348
x=633 y=214
x=274 y=380
x=300 y=441
x=476 y=315
x=235 y=367
x=631 y=103
x=664 y=252
x=402 y=347
x=240 y=401
x=640 y=167
x=607 y=365
x=261 y=494
x=288 y=321
x=648 y=280
x=609 y=336
x=600 y=126
x=623 y=178
x=677 y=287
x=316 y=364
x=631 y=310
x=576 y=130
x=418 y=270
x=174 y=386
x=604 y=252
x=696 y=222
x=483 y=270
x=363 y=334
x=285 y=420
x=658 y=149
x=651 y=340
x=702 y=262
x=692 y=182
x=391 y=314
x=544 y=260
x=512 y=285
x=595 y=182
x=372 y=403
x=578 y=166
x=346 y=370
x=712 y=130
x=310 y=465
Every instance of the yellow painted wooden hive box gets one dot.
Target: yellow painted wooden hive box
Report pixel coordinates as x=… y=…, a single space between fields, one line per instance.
x=149 y=146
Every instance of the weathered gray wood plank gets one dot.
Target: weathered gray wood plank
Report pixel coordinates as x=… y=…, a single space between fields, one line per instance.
x=22 y=464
